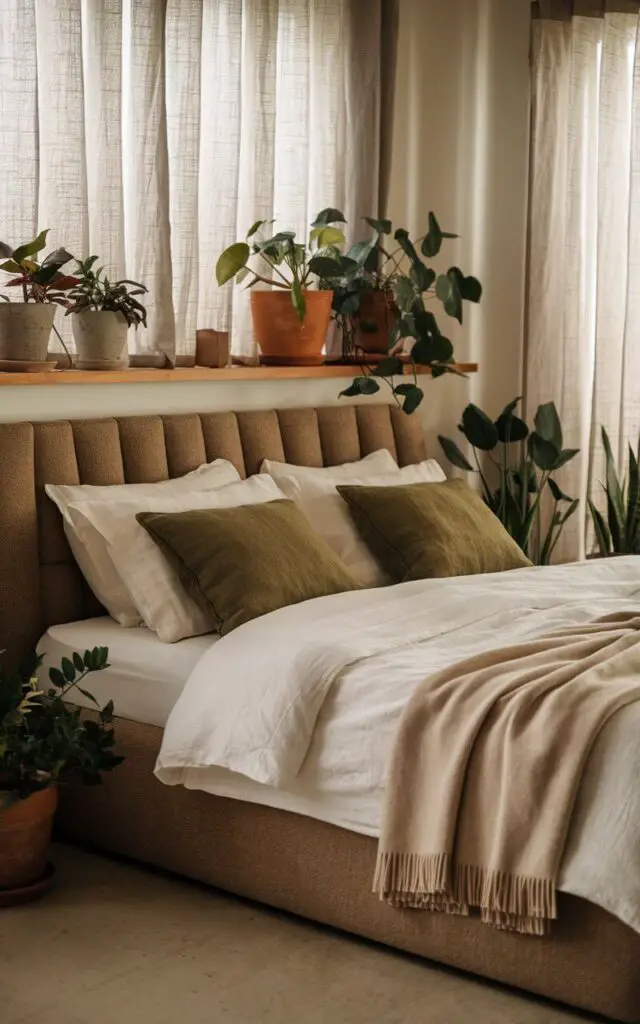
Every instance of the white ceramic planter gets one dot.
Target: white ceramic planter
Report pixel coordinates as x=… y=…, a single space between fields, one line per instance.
x=25 y=328
x=101 y=339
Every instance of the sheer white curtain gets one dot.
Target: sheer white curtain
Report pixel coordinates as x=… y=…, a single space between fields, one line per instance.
x=584 y=270
x=154 y=132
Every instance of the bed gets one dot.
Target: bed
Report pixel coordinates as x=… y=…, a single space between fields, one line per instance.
x=289 y=860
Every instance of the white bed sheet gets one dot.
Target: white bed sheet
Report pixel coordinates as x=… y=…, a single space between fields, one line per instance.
x=145 y=678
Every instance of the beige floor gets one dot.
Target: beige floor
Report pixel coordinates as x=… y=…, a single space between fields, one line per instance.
x=115 y=944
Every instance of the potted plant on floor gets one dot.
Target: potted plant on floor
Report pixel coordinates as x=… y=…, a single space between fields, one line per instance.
x=291 y=319
x=619 y=533
x=380 y=302
x=103 y=311
x=25 y=324
x=43 y=741
x=518 y=473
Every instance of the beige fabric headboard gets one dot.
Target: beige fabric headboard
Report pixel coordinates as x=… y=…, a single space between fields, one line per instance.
x=40 y=584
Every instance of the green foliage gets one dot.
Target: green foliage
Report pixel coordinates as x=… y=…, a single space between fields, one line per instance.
x=95 y=291
x=291 y=265
x=522 y=462
x=620 y=532
x=410 y=284
x=44 y=740
x=39 y=281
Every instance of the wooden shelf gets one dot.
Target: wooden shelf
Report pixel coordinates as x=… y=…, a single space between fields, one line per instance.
x=137 y=375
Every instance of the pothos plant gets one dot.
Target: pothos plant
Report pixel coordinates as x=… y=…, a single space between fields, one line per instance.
x=44 y=740
x=282 y=261
x=39 y=281
x=94 y=291
x=402 y=271
x=519 y=473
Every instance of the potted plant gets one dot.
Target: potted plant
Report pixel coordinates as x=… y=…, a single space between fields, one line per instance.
x=290 y=320
x=521 y=464
x=380 y=297
x=103 y=311
x=619 y=533
x=43 y=740
x=25 y=325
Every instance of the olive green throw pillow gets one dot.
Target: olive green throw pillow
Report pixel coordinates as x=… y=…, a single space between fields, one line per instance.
x=246 y=561
x=419 y=531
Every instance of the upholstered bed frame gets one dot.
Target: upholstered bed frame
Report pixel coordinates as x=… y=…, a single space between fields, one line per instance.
x=304 y=866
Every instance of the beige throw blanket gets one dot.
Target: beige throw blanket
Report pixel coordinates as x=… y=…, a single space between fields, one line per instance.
x=486 y=766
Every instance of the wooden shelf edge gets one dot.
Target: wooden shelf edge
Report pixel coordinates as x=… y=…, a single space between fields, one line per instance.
x=138 y=375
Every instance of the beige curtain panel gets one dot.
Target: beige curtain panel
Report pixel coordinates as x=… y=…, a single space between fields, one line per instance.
x=584 y=257
x=154 y=132
x=565 y=10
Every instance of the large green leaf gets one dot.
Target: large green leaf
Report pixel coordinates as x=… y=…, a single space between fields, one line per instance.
x=413 y=396
x=471 y=289
x=389 y=367
x=511 y=428
x=478 y=429
x=68 y=669
x=615 y=494
x=633 y=504
x=31 y=248
x=329 y=216
x=285 y=237
x=565 y=456
x=361 y=386
x=383 y=227
x=402 y=238
x=324 y=267
x=327 y=236
x=57 y=258
x=448 y=291
x=360 y=252
x=603 y=537
x=453 y=453
x=543 y=453
x=432 y=242
x=557 y=492
x=404 y=294
x=547 y=424
x=298 y=299
x=11 y=267
x=422 y=276
x=231 y=261
x=436 y=349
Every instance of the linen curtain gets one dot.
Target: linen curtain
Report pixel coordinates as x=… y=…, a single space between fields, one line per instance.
x=154 y=132
x=583 y=339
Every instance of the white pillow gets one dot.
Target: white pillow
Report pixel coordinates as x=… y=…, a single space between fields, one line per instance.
x=329 y=514
x=88 y=546
x=381 y=461
x=153 y=585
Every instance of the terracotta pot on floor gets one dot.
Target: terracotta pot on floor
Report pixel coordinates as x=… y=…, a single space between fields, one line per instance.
x=284 y=340
x=375 y=321
x=25 y=834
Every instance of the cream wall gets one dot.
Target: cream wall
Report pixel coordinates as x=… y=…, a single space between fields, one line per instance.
x=460 y=147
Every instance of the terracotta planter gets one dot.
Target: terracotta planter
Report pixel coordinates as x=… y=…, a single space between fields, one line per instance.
x=25 y=834
x=25 y=328
x=283 y=339
x=101 y=340
x=377 y=317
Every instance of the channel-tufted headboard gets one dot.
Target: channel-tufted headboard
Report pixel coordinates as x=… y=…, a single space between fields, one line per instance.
x=40 y=583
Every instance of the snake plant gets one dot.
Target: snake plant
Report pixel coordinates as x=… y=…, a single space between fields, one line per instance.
x=619 y=533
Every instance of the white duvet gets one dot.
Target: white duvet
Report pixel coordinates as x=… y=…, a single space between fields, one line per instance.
x=304 y=702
